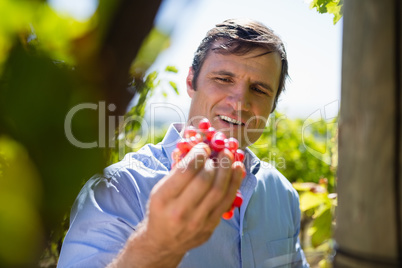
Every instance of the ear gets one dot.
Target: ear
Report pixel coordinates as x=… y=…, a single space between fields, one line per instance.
x=189 y=82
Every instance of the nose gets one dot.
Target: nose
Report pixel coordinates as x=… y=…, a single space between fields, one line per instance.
x=239 y=98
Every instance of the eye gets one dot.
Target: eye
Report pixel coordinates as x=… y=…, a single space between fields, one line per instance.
x=222 y=79
x=259 y=91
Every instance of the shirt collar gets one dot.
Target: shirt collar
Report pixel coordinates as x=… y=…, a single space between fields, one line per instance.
x=170 y=140
x=251 y=161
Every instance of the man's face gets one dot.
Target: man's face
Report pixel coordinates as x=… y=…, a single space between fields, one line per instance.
x=236 y=93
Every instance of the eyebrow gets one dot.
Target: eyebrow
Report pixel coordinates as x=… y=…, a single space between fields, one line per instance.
x=224 y=73
x=259 y=83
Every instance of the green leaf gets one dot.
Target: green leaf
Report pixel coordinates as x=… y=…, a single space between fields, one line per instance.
x=326 y=204
x=334 y=7
x=21 y=192
x=149 y=81
x=174 y=86
x=303 y=186
x=322 y=227
x=171 y=69
x=309 y=200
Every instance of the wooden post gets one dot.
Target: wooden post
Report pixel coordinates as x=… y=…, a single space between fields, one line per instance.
x=369 y=215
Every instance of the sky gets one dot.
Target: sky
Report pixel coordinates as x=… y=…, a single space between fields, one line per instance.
x=313 y=44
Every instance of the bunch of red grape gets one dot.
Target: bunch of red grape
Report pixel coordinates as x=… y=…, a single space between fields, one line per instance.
x=217 y=141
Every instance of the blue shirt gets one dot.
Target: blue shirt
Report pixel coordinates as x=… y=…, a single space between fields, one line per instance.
x=264 y=233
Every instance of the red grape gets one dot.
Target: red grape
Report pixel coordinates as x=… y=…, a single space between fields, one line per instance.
x=239 y=155
x=184 y=146
x=190 y=132
x=238 y=199
x=232 y=144
x=210 y=133
x=227 y=215
x=218 y=141
x=204 y=124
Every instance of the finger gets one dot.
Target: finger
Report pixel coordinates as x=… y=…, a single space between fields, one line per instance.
x=195 y=191
x=224 y=171
x=219 y=188
x=184 y=171
x=234 y=185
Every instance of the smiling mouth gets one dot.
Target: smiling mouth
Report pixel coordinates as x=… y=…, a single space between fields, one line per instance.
x=230 y=120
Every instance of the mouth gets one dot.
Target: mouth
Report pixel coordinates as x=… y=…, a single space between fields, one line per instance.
x=230 y=120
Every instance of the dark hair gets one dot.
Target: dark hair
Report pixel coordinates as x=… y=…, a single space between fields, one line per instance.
x=239 y=37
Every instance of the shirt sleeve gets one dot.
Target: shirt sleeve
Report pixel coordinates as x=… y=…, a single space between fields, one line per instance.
x=103 y=217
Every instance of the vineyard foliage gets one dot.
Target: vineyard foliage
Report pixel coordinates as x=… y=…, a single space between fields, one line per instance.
x=288 y=143
x=334 y=7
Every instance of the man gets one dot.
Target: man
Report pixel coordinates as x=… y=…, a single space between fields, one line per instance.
x=142 y=213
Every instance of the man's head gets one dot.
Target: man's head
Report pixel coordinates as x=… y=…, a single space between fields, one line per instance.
x=237 y=75
x=240 y=36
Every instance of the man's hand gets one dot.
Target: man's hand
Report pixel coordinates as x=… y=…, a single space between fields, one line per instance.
x=184 y=209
